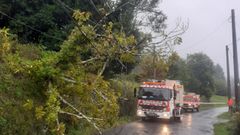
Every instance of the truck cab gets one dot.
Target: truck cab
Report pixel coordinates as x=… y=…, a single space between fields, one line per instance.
x=191 y=102
x=159 y=100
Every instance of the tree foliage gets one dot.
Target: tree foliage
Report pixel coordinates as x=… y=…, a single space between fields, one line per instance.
x=202 y=81
x=66 y=87
x=178 y=69
x=199 y=74
x=220 y=80
x=147 y=67
x=55 y=66
x=46 y=22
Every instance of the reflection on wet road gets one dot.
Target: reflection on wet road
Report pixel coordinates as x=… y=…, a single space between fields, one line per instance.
x=200 y=123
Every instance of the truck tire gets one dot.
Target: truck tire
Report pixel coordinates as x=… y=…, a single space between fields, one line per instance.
x=183 y=111
x=144 y=118
x=197 y=109
x=178 y=119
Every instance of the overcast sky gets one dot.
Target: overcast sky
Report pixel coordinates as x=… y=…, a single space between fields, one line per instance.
x=209 y=26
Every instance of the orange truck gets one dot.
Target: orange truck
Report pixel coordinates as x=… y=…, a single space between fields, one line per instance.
x=160 y=99
x=191 y=101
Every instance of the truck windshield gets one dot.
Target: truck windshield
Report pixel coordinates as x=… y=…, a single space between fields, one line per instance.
x=188 y=99
x=155 y=93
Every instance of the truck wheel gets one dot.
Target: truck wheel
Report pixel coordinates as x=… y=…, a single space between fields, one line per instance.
x=171 y=120
x=178 y=119
x=197 y=109
x=183 y=111
x=192 y=110
x=144 y=119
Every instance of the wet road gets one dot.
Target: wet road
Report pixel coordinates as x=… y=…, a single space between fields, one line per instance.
x=198 y=123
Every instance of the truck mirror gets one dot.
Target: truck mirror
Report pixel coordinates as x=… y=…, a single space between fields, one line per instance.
x=135 y=92
x=174 y=92
x=175 y=95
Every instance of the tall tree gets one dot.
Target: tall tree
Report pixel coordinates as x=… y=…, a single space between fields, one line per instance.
x=220 y=81
x=202 y=71
x=178 y=69
x=147 y=67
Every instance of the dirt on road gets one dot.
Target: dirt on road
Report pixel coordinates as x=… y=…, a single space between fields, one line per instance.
x=198 y=123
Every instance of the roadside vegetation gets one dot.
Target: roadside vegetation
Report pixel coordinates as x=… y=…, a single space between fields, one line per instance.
x=215 y=101
x=215 y=98
x=70 y=67
x=223 y=128
x=230 y=127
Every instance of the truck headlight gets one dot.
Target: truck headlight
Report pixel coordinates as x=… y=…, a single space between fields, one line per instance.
x=140 y=113
x=165 y=115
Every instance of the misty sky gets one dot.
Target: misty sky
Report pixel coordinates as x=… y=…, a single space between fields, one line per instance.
x=209 y=26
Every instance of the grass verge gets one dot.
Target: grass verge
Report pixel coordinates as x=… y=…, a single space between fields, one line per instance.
x=206 y=107
x=225 y=116
x=215 y=98
x=222 y=128
x=221 y=100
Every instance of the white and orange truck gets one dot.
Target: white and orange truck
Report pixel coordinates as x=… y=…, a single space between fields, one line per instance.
x=160 y=99
x=191 y=101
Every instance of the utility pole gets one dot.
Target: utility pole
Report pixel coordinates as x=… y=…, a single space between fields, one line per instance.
x=235 y=60
x=228 y=75
x=154 y=62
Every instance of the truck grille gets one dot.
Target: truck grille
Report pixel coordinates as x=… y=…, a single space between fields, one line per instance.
x=152 y=107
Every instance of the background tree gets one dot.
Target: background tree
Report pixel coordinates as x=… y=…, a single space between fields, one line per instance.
x=178 y=69
x=220 y=81
x=146 y=68
x=201 y=78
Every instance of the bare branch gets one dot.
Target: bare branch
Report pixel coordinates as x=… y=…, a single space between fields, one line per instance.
x=122 y=64
x=100 y=73
x=95 y=81
x=92 y=3
x=108 y=14
x=72 y=114
x=69 y=80
x=103 y=69
x=89 y=60
x=58 y=125
x=177 y=31
x=80 y=114
x=141 y=10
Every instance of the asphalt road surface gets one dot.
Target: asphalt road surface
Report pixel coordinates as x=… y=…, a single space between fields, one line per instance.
x=197 y=123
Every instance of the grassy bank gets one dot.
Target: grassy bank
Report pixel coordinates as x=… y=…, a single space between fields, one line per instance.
x=223 y=128
x=215 y=98
x=220 y=101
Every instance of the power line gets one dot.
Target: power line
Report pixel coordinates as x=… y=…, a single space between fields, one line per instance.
x=226 y=44
x=205 y=37
x=69 y=9
x=30 y=27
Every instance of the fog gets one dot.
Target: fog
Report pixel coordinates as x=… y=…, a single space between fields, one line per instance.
x=209 y=26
